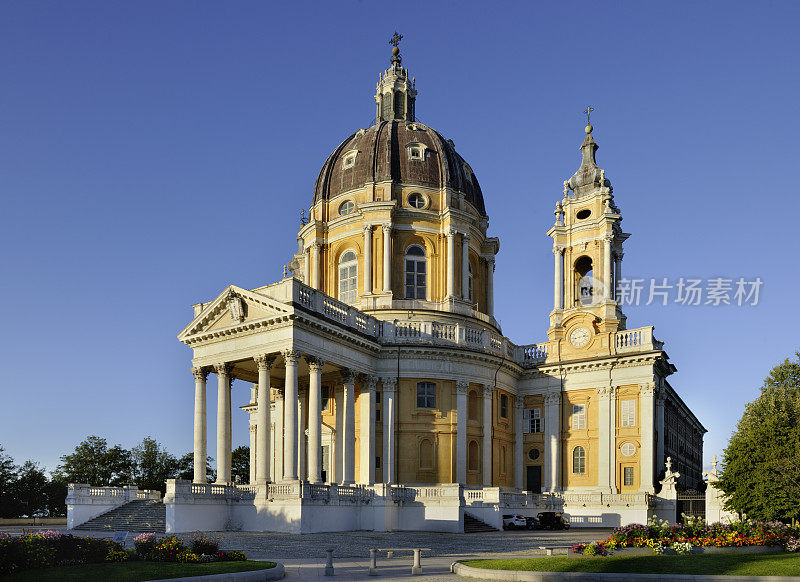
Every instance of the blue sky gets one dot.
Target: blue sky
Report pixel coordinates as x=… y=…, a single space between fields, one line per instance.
x=151 y=153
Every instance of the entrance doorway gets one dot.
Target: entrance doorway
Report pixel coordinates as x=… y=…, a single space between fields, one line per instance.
x=533 y=478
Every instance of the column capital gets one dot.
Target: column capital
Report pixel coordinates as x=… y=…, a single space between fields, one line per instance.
x=489 y=260
x=222 y=368
x=200 y=373
x=367 y=228
x=389 y=383
x=369 y=382
x=552 y=398
x=316 y=245
x=348 y=375
x=647 y=389
x=557 y=249
x=519 y=401
x=315 y=363
x=487 y=390
x=608 y=237
x=450 y=232
x=606 y=392
x=264 y=361
x=462 y=386
x=466 y=236
x=387 y=227
x=291 y=356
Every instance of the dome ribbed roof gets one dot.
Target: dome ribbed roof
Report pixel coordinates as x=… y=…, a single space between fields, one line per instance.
x=383 y=155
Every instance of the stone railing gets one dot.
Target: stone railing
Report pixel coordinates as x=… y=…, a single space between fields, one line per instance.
x=636 y=340
x=81 y=492
x=434 y=332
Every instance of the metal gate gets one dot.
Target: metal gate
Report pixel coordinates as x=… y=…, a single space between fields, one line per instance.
x=691 y=503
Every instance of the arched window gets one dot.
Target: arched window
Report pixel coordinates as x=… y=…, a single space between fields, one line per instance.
x=416 y=273
x=584 y=281
x=578 y=461
x=426 y=454
x=348 y=277
x=399 y=105
x=473 y=457
x=472 y=405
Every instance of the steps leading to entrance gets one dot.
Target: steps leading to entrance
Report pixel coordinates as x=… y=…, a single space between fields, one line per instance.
x=134 y=516
x=473 y=525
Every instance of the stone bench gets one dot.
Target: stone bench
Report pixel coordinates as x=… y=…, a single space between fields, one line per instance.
x=555 y=550
x=416 y=566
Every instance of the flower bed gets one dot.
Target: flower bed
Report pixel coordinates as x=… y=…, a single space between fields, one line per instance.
x=44 y=549
x=660 y=535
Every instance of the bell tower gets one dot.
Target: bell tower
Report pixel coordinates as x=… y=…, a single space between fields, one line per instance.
x=396 y=95
x=587 y=245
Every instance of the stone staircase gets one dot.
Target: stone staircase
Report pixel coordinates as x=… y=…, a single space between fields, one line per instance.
x=473 y=524
x=134 y=516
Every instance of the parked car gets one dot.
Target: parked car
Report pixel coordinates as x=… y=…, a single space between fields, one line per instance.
x=552 y=520
x=532 y=523
x=514 y=522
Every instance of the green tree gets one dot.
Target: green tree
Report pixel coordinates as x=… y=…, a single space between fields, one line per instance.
x=30 y=490
x=8 y=478
x=56 y=492
x=153 y=465
x=94 y=463
x=240 y=464
x=186 y=468
x=761 y=474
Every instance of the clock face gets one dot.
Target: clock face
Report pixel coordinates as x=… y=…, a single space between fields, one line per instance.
x=579 y=337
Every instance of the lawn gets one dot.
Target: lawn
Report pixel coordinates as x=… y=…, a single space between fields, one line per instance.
x=731 y=564
x=133 y=571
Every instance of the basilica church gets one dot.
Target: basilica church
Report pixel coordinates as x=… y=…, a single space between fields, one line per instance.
x=384 y=393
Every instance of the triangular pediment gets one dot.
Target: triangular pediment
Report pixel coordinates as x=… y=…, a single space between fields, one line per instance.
x=233 y=307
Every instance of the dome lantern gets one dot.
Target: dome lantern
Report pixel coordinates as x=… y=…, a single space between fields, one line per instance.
x=395 y=96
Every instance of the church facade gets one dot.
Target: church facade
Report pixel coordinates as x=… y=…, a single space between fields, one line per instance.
x=379 y=371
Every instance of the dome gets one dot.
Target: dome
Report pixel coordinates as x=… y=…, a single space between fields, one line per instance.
x=405 y=152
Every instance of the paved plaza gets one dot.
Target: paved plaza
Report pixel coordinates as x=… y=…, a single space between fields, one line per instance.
x=304 y=554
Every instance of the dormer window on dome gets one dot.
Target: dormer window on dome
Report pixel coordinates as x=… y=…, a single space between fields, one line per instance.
x=349 y=159
x=417 y=151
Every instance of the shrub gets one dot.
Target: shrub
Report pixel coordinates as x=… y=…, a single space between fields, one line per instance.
x=681 y=547
x=144 y=543
x=167 y=549
x=188 y=557
x=793 y=545
x=204 y=544
x=235 y=556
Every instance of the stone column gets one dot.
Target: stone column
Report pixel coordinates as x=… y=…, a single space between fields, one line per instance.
x=605 y=456
x=387 y=258
x=519 y=459
x=200 y=450
x=252 y=430
x=389 y=417
x=290 y=417
x=451 y=263
x=552 y=445
x=366 y=431
x=316 y=267
x=307 y=268
x=559 y=278
x=367 y=259
x=660 y=397
x=277 y=436
x=349 y=428
x=465 y=266
x=487 y=435
x=263 y=420
x=223 y=372
x=647 y=452
x=490 y=286
x=607 y=267
x=301 y=433
x=462 y=390
x=618 y=271
x=314 y=419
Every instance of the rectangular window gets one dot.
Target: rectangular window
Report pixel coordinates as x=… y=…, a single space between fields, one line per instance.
x=377 y=462
x=377 y=415
x=326 y=397
x=627 y=476
x=578 y=416
x=426 y=395
x=532 y=420
x=628 y=412
x=503 y=406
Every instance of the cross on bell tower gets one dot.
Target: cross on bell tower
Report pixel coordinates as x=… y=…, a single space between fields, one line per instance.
x=587 y=245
